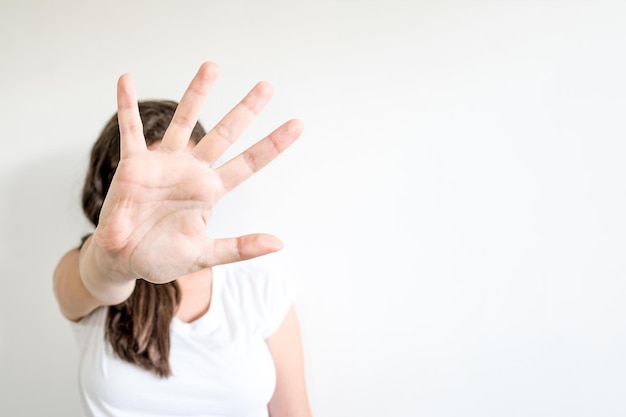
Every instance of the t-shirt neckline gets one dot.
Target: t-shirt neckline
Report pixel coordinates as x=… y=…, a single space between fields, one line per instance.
x=208 y=319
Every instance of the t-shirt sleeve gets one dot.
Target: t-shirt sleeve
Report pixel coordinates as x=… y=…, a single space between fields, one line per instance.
x=278 y=298
x=89 y=327
x=266 y=294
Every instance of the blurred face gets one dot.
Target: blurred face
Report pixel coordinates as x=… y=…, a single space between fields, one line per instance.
x=190 y=145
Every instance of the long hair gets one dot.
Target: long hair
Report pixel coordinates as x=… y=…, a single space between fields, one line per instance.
x=138 y=329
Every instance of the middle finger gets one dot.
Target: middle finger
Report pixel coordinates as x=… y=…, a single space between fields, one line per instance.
x=228 y=130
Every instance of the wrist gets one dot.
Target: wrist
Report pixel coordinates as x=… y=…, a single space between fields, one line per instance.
x=101 y=276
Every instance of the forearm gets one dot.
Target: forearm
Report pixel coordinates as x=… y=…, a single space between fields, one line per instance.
x=81 y=285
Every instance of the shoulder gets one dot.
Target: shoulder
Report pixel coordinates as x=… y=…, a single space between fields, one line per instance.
x=89 y=330
x=248 y=280
x=94 y=319
x=262 y=294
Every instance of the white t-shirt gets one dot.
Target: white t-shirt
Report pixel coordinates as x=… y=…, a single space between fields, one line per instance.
x=220 y=362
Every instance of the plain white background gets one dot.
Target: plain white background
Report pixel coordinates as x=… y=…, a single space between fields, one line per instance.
x=453 y=214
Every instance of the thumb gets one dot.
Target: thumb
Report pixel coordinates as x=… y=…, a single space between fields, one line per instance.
x=228 y=250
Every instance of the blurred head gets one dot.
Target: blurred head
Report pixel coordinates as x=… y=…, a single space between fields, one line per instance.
x=105 y=154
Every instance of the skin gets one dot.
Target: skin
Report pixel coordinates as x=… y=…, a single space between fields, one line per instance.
x=159 y=203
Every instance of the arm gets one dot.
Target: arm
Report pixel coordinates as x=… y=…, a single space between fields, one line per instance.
x=153 y=220
x=74 y=300
x=290 y=397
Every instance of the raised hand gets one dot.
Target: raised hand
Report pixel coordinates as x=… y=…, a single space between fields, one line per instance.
x=154 y=218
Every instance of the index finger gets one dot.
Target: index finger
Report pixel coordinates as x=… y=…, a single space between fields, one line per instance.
x=128 y=118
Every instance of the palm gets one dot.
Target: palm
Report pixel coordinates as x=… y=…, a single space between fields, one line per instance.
x=153 y=221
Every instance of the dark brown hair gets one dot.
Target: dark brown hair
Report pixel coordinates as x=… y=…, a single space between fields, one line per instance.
x=139 y=328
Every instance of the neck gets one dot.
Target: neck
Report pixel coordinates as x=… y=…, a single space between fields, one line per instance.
x=196 y=293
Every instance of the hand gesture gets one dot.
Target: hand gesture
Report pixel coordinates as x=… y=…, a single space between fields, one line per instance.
x=154 y=218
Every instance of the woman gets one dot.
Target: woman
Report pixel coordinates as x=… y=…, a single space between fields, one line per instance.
x=164 y=326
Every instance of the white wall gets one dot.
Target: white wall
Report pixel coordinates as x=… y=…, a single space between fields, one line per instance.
x=455 y=209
